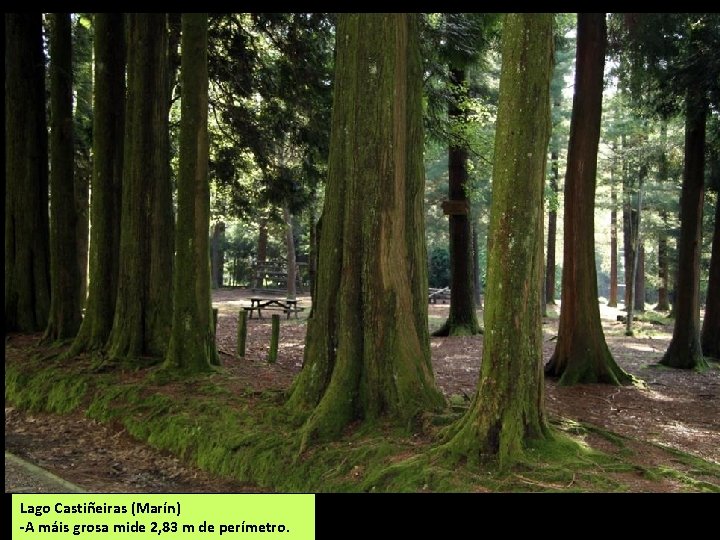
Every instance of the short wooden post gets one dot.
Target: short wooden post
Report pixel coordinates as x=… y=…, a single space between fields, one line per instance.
x=215 y=319
x=274 y=338
x=241 y=332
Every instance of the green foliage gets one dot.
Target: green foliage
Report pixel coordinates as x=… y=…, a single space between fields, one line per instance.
x=439 y=268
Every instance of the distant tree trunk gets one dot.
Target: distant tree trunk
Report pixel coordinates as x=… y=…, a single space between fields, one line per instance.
x=367 y=351
x=663 y=267
x=629 y=228
x=83 y=67
x=312 y=257
x=108 y=133
x=65 y=314
x=508 y=409
x=477 y=286
x=143 y=313
x=581 y=354
x=462 y=319
x=217 y=254
x=27 y=251
x=612 y=297
x=552 y=232
x=711 y=324
x=639 y=303
x=291 y=261
x=192 y=339
x=262 y=249
x=685 y=349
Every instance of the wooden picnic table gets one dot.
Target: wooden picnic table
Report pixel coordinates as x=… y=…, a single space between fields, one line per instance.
x=258 y=303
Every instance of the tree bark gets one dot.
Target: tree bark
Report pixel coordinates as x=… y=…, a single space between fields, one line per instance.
x=581 y=354
x=663 y=271
x=685 y=349
x=552 y=233
x=27 y=251
x=367 y=350
x=108 y=132
x=143 y=312
x=462 y=320
x=508 y=409
x=710 y=336
x=291 y=262
x=192 y=338
x=477 y=285
x=217 y=254
x=65 y=315
x=639 y=303
x=612 y=296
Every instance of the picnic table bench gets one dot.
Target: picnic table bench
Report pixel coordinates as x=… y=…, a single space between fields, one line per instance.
x=283 y=304
x=438 y=294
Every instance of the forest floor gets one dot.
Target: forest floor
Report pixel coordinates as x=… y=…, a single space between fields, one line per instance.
x=674 y=410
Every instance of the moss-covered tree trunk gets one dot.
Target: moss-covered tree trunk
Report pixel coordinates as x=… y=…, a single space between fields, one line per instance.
x=192 y=340
x=27 y=251
x=685 y=350
x=552 y=231
x=581 y=354
x=108 y=133
x=143 y=312
x=462 y=319
x=64 y=319
x=710 y=336
x=508 y=408
x=367 y=351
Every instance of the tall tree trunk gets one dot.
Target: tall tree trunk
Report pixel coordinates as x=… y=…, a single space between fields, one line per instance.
x=462 y=319
x=83 y=69
x=663 y=258
x=27 y=251
x=367 y=350
x=291 y=262
x=477 y=286
x=508 y=409
x=639 y=303
x=685 y=350
x=710 y=336
x=312 y=258
x=192 y=338
x=143 y=313
x=217 y=254
x=261 y=251
x=108 y=133
x=65 y=314
x=612 y=297
x=581 y=354
x=552 y=231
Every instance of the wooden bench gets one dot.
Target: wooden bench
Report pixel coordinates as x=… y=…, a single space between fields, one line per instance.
x=438 y=294
x=279 y=304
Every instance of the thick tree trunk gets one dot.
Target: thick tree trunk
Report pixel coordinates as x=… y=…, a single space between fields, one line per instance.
x=639 y=304
x=508 y=409
x=108 y=133
x=710 y=337
x=612 y=297
x=462 y=320
x=217 y=255
x=685 y=350
x=192 y=339
x=367 y=351
x=663 y=268
x=552 y=233
x=291 y=262
x=27 y=252
x=581 y=354
x=143 y=312
x=65 y=314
